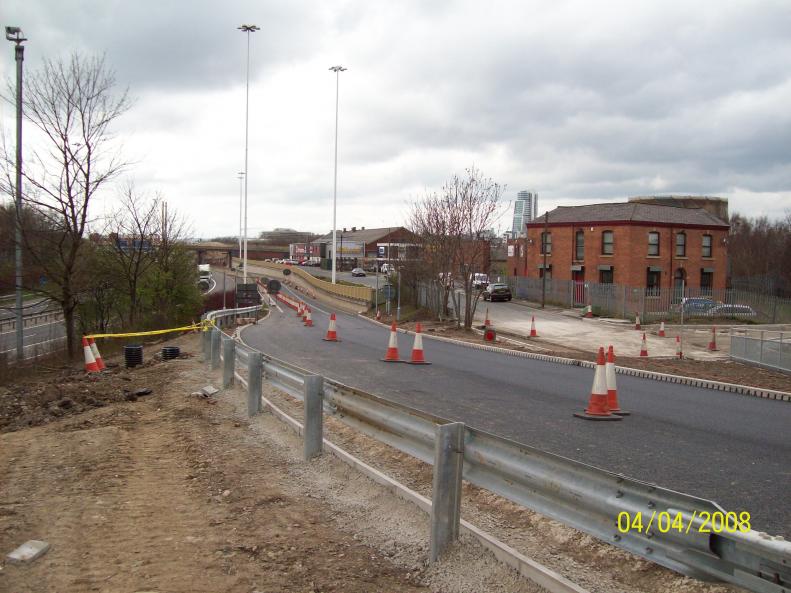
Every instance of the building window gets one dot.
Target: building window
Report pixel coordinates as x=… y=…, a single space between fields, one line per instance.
x=706 y=246
x=546 y=243
x=652 y=282
x=606 y=276
x=681 y=245
x=653 y=243
x=706 y=282
x=579 y=246
x=607 y=243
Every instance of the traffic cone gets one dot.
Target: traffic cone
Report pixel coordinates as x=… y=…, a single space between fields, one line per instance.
x=96 y=355
x=332 y=333
x=392 y=346
x=378 y=315
x=90 y=361
x=637 y=321
x=597 y=404
x=713 y=343
x=308 y=318
x=679 y=351
x=417 y=349
x=662 y=330
x=533 y=333
x=644 y=347
x=589 y=311
x=612 y=389
x=305 y=311
x=299 y=309
x=486 y=322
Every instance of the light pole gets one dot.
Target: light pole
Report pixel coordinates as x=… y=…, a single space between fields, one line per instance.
x=241 y=209
x=15 y=34
x=337 y=70
x=246 y=29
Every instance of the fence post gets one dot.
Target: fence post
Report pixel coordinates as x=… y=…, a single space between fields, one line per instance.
x=255 y=367
x=761 y=355
x=446 y=487
x=314 y=418
x=215 y=349
x=229 y=362
x=206 y=345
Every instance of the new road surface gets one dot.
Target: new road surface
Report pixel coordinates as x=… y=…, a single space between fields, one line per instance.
x=729 y=448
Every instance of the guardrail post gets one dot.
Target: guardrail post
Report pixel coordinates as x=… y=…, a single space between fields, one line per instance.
x=207 y=345
x=255 y=367
x=215 y=349
x=313 y=432
x=446 y=487
x=229 y=362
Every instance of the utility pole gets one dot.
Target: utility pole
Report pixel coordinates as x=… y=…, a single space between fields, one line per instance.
x=337 y=70
x=246 y=29
x=15 y=34
x=544 y=244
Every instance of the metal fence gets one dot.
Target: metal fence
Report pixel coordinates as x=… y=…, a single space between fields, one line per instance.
x=771 y=349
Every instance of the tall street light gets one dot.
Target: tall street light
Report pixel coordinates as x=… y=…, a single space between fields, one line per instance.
x=246 y=29
x=15 y=34
x=337 y=70
x=241 y=209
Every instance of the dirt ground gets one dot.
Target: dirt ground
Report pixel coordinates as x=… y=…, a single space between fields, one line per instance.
x=172 y=492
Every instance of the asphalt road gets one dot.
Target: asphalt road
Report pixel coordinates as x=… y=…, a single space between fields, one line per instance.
x=31 y=307
x=732 y=449
x=32 y=335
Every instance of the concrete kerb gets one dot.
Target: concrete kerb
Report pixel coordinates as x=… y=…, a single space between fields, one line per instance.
x=640 y=373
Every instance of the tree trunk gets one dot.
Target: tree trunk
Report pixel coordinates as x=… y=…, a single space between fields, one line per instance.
x=68 y=320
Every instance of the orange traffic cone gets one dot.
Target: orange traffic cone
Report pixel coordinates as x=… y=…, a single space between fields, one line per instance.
x=533 y=333
x=378 y=315
x=332 y=333
x=308 y=318
x=417 y=349
x=612 y=389
x=96 y=355
x=486 y=322
x=392 y=346
x=637 y=321
x=679 y=351
x=589 y=311
x=90 y=361
x=644 y=347
x=597 y=404
x=299 y=309
x=662 y=330
x=713 y=343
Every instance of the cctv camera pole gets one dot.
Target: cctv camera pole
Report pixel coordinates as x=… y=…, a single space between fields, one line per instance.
x=15 y=34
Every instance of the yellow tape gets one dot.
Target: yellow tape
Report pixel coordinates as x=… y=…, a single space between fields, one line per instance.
x=203 y=325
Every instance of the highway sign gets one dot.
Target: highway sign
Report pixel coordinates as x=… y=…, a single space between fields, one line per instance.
x=247 y=295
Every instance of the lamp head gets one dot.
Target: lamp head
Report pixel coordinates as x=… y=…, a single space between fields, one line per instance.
x=249 y=28
x=14 y=34
x=338 y=68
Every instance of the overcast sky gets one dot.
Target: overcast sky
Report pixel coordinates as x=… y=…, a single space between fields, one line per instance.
x=579 y=101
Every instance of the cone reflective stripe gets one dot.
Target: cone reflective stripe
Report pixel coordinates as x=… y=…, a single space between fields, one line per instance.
x=299 y=309
x=486 y=321
x=305 y=311
x=589 y=311
x=713 y=343
x=308 y=318
x=392 y=346
x=644 y=347
x=332 y=331
x=597 y=404
x=97 y=357
x=662 y=330
x=612 y=389
x=378 y=315
x=90 y=361
x=417 y=349
x=533 y=333
x=679 y=351
x=637 y=321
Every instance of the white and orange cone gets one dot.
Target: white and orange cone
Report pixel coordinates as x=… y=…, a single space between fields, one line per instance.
x=90 y=361
x=332 y=330
x=679 y=351
x=305 y=311
x=612 y=388
x=644 y=347
x=713 y=344
x=597 y=404
x=589 y=311
x=299 y=309
x=662 y=330
x=392 y=346
x=97 y=357
x=637 y=321
x=417 y=349
x=533 y=333
x=378 y=314
x=486 y=322
x=308 y=318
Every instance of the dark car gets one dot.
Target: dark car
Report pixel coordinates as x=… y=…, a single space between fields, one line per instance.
x=358 y=272
x=497 y=292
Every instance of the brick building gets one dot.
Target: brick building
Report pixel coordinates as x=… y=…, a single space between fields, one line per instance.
x=634 y=244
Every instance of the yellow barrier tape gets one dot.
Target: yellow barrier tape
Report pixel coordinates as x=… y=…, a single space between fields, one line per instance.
x=203 y=325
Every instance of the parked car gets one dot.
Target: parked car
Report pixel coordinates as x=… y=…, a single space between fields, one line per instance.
x=497 y=292
x=289 y=262
x=731 y=311
x=696 y=305
x=480 y=281
x=358 y=272
x=387 y=268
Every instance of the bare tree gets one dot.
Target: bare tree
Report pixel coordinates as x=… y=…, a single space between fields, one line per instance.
x=73 y=103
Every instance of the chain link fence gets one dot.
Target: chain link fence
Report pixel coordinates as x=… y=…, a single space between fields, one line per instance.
x=767 y=348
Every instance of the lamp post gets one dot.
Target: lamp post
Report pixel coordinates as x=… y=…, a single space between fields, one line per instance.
x=241 y=209
x=337 y=70
x=15 y=34
x=246 y=29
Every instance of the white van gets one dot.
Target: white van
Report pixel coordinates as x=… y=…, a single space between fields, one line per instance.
x=387 y=268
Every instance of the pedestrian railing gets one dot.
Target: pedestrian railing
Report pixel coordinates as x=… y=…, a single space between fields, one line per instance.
x=767 y=348
x=690 y=535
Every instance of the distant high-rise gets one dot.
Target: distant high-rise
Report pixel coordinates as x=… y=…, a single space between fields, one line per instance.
x=525 y=210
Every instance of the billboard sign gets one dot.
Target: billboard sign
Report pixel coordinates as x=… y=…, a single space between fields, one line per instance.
x=247 y=295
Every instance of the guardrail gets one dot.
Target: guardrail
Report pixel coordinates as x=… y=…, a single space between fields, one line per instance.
x=359 y=293
x=576 y=494
x=31 y=320
x=766 y=348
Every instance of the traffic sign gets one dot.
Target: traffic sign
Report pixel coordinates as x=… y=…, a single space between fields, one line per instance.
x=247 y=295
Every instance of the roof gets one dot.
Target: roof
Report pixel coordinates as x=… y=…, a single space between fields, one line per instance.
x=631 y=212
x=360 y=235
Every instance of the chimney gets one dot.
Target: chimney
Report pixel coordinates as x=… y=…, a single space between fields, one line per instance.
x=344 y=229
x=362 y=228
x=354 y=229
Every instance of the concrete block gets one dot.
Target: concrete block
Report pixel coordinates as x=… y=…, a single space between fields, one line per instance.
x=28 y=551
x=208 y=391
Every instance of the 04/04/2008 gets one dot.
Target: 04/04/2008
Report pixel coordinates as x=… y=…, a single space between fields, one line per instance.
x=716 y=522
